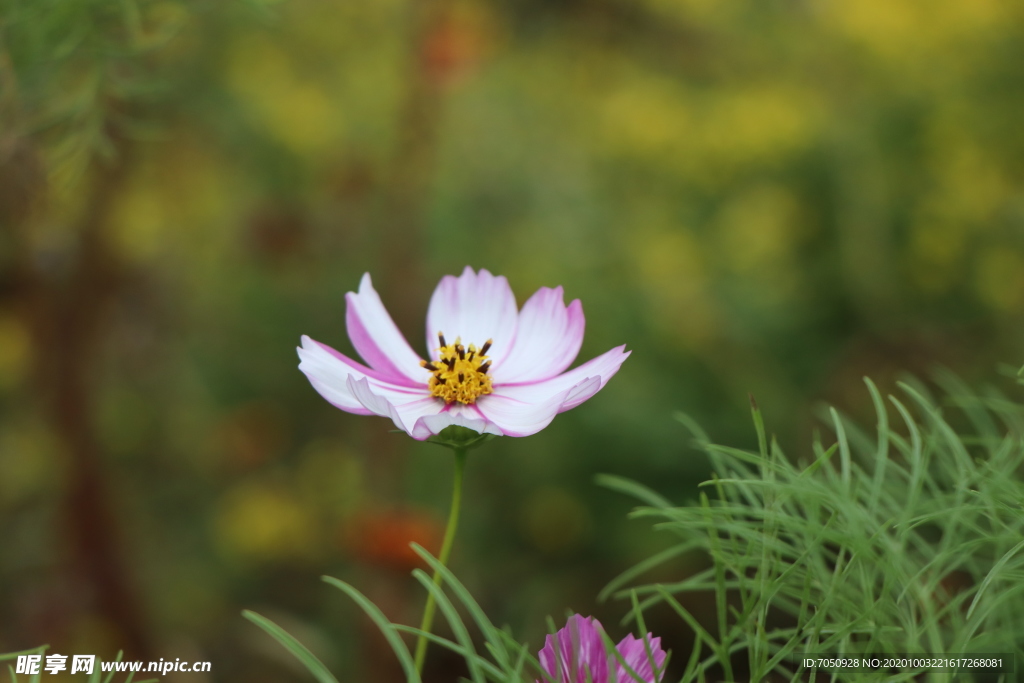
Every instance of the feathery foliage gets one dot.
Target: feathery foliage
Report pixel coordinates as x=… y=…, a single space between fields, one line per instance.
x=908 y=540
x=903 y=541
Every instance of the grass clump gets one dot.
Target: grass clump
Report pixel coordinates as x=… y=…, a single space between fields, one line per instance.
x=907 y=539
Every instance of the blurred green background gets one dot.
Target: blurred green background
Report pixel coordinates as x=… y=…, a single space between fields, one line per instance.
x=766 y=196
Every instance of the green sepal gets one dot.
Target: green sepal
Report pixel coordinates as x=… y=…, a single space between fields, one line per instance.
x=460 y=438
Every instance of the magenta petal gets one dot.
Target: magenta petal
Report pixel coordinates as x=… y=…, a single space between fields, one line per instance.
x=548 y=337
x=576 y=654
x=635 y=655
x=577 y=382
x=474 y=307
x=329 y=372
x=377 y=339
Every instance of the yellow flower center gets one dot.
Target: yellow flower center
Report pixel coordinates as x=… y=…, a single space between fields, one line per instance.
x=460 y=374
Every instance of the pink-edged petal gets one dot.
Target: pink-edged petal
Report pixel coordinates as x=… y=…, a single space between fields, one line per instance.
x=329 y=371
x=474 y=307
x=454 y=414
x=548 y=337
x=634 y=652
x=421 y=417
x=578 y=384
x=516 y=417
x=404 y=411
x=576 y=654
x=377 y=339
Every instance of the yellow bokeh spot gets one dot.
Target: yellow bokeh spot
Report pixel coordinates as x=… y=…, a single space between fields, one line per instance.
x=258 y=521
x=137 y=224
x=670 y=265
x=999 y=279
x=923 y=44
x=646 y=116
x=28 y=463
x=15 y=351
x=704 y=136
x=760 y=228
x=936 y=249
x=969 y=183
x=330 y=478
x=704 y=13
x=294 y=110
x=757 y=123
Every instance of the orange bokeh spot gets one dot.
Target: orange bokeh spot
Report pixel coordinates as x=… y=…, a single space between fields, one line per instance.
x=382 y=537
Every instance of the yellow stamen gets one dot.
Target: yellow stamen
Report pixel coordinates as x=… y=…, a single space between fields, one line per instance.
x=460 y=374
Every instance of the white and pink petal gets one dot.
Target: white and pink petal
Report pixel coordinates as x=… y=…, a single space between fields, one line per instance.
x=421 y=417
x=576 y=385
x=455 y=414
x=329 y=372
x=378 y=340
x=474 y=307
x=403 y=411
x=548 y=338
x=519 y=418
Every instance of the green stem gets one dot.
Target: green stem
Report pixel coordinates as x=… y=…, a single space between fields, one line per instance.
x=446 y=549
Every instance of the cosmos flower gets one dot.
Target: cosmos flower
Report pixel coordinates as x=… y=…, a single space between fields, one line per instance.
x=491 y=368
x=580 y=656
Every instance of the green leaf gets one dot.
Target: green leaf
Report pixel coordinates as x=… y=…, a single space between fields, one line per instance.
x=385 y=626
x=490 y=633
x=298 y=650
x=452 y=616
x=645 y=566
x=631 y=488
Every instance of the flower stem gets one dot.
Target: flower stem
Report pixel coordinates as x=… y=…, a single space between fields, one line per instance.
x=446 y=549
